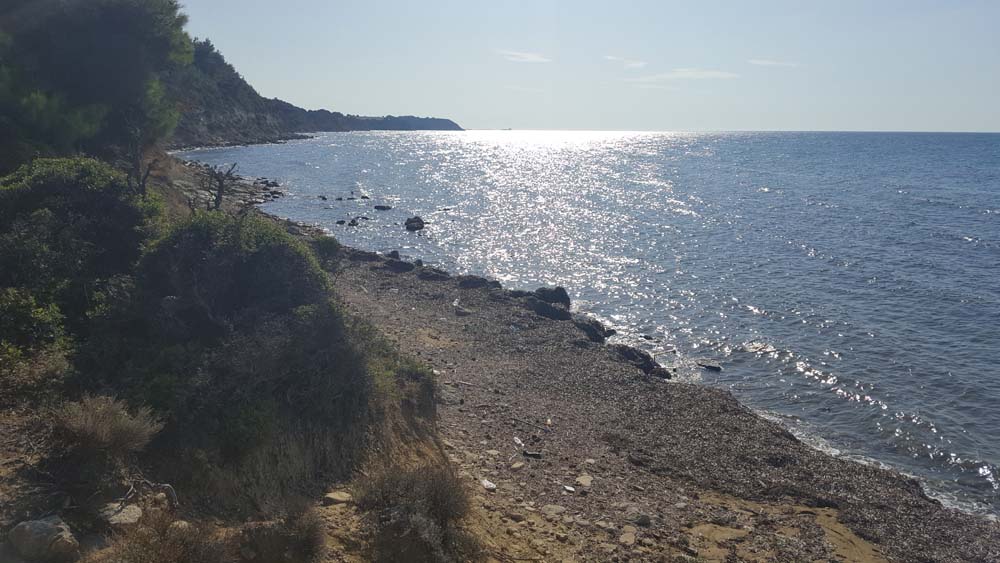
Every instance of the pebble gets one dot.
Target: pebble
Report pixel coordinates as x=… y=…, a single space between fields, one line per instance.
x=489 y=485
x=584 y=480
x=337 y=497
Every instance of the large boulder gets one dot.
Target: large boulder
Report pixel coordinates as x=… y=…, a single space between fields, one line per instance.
x=555 y=295
x=593 y=328
x=547 y=310
x=118 y=517
x=48 y=539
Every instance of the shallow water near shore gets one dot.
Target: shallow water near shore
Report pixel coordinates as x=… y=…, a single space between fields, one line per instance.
x=845 y=282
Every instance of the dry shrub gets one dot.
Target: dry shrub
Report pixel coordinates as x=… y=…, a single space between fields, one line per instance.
x=416 y=512
x=98 y=424
x=299 y=537
x=159 y=539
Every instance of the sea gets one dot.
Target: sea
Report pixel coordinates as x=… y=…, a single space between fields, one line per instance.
x=848 y=284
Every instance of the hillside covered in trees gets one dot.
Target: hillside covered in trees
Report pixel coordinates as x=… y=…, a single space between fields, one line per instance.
x=219 y=107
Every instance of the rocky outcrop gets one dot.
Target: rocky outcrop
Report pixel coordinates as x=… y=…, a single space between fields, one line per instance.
x=554 y=295
x=414 y=224
x=48 y=539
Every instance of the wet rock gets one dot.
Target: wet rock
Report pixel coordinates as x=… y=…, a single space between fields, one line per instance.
x=414 y=224
x=594 y=329
x=353 y=223
x=661 y=372
x=365 y=197
x=547 y=310
x=394 y=255
x=323 y=197
x=48 y=539
x=341 y=222
x=117 y=517
x=337 y=497
x=554 y=295
x=709 y=365
x=383 y=207
x=340 y=199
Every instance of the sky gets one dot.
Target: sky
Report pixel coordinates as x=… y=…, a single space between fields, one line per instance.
x=844 y=65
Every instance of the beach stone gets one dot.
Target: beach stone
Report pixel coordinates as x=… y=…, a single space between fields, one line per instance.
x=337 y=497
x=643 y=520
x=117 y=516
x=493 y=452
x=517 y=466
x=414 y=224
x=627 y=538
x=552 y=509
x=43 y=540
x=584 y=480
x=489 y=485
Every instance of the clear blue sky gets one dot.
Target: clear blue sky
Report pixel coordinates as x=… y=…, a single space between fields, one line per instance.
x=896 y=65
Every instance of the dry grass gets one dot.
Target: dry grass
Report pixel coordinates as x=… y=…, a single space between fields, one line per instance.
x=159 y=539
x=299 y=537
x=415 y=513
x=98 y=424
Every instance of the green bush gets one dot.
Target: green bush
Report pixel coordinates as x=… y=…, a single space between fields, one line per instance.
x=67 y=227
x=33 y=348
x=416 y=514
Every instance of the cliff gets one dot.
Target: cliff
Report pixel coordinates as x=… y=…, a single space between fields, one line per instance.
x=219 y=107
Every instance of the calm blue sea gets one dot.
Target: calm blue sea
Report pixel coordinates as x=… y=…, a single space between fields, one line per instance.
x=848 y=283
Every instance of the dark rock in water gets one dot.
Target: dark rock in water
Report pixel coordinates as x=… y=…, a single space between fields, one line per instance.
x=639 y=358
x=363 y=218
x=351 y=198
x=340 y=199
x=353 y=223
x=399 y=266
x=365 y=197
x=594 y=330
x=418 y=263
x=323 y=197
x=547 y=310
x=394 y=255
x=709 y=365
x=517 y=293
x=414 y=223
x=341 y=222
x=554 y=295
x=661 y=372
x=383 y=207
x=473 y=282
x=433 y=274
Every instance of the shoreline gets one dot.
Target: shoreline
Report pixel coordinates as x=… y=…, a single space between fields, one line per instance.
x=692 y=436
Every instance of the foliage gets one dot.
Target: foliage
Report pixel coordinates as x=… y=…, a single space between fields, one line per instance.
x=159 y=539
x=104 y=425
x=68 y=229
x=85 y=74
x=416 y=513
x=299 y=537
x=33 y=348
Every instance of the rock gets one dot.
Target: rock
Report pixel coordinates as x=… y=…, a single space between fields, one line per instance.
x=399 y=266
x=515 y=517
x=489 y=485
x=552 y=510
x=569 y=489
x=179 y=527
x=638 y=358
x=533 y=455
x=709 y=365
x=117 y=517
x=337 y=497
x=475 y=282
x=554 y=295
x=340 y=199
x=341 y=222
x=414 y=224
x=661 y=372
x=561 y=537
x=323 y=197
x=353 y=223
x=584 y=480
x=643 y=520
x=517 y=466
x=493 y=452
x=383 y=207
x=461 y=311
x=43 y=540
x=628 y=538
x=547 y=310
x=394 y=255
x=433 y=274
x=593 y=328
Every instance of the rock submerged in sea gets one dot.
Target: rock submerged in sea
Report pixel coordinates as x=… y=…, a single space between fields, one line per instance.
x=414 y=223
x=383 y=207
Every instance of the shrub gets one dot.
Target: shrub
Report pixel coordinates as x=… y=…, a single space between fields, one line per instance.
x=159 y=539
x=33 y=349
x=300 y=537
x=66 y=225
x=105 y=425
x=415 y=513
x=327 y=249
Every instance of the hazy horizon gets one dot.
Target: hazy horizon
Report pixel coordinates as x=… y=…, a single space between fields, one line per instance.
x=641 y=66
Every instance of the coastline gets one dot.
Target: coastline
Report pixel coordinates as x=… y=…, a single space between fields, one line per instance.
x=689 y=443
